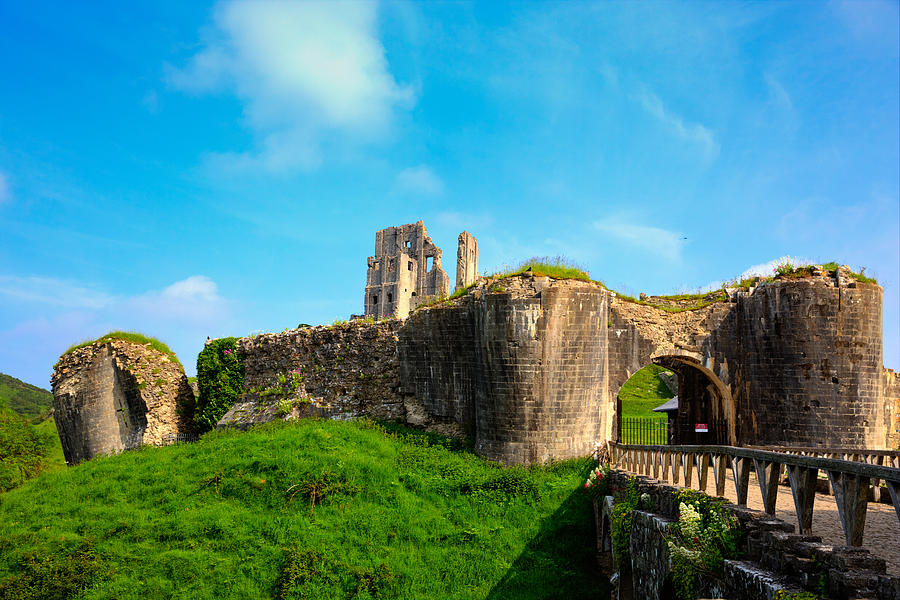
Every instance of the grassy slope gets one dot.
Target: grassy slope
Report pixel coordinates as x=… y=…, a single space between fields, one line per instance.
x=55 y=460
x=643 y=392
x=24 y=399
x=216 y=519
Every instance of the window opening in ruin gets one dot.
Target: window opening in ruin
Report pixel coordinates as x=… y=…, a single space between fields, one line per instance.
x=413 y=293
x=374 y=299
x=390 y=297
x=409 y=266
x=429 y=263
x=375 y=265
x=408 y=244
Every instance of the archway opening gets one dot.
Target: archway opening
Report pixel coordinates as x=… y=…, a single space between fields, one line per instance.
x=705 y=408
x=641 y=404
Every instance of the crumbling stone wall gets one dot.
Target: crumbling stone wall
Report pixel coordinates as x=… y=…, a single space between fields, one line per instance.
x=790 y=362
x=117 y=395
x=343 y=371
x=466 y=260
x=399 y=276
x=773 y=557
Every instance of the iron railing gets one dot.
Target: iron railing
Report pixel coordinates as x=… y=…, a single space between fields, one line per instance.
x=649 y=431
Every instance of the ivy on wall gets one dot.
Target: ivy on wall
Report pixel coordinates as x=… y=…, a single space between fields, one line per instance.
x=220 y=379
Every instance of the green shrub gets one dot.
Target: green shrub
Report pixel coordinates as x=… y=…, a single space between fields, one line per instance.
x=52 y=575
x=622 y=517
x=24 y=450
x=220 y=378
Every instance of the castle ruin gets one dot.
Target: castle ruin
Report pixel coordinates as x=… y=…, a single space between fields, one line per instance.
x=406 y=270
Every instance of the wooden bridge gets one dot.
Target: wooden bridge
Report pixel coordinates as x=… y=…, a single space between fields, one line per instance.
x=851 y=473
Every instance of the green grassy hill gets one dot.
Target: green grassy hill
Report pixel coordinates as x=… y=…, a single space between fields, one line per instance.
x=24 y=399
x=643 y=392
x=319 y=509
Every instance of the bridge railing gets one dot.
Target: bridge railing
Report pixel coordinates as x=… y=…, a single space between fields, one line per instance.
x=850 y=480
x=889 y=458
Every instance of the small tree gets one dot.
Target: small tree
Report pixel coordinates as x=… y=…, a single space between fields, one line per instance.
x=23 y=449
x=220 y=379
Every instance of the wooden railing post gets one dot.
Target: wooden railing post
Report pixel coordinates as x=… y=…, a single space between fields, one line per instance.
x=803 y=488
x=851 y=494
x=768 y=473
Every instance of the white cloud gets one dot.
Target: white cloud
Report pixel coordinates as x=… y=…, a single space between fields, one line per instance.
x=55 y=313
x=5 y=193
x=55 y=292
x=194 y=300
x=766 y=269
x=659 y=242
x=301 y=68
x=420 y=181
x=692 y=132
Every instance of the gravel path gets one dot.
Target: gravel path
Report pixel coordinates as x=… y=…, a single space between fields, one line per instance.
x=882 y=532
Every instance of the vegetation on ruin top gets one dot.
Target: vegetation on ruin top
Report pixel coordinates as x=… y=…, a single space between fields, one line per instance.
x=785 y=270
x=128 y=336
x=315 y=509
x=557 y=267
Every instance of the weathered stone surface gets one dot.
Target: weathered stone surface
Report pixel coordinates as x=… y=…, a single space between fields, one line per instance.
x=773 y=559
x=339 y=372
x=117 y=395
x=523 y=369
x=400 y=277
x=466 y=260
x=793 y=362
x=530 y=366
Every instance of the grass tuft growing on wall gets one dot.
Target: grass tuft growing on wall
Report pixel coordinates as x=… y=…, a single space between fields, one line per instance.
x=397 y=514
x=128 y=336
x=557 y=267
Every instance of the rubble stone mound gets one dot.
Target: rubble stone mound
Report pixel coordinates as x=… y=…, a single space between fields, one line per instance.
x=115 y=395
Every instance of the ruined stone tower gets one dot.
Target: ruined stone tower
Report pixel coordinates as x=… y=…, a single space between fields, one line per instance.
x=466 y=260
x=405 y=271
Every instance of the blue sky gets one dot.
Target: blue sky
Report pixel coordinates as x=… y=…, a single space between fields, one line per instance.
x=189 y=169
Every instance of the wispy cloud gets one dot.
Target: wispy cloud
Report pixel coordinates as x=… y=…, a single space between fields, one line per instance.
x=662 y=243
x=302 y=69
x=54 y=292
x=471 y=222
x=56 y=313
x=5 y=193
x=691 y=132
x=420 y=181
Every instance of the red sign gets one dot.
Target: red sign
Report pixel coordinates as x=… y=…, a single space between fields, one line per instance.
x=701 y=428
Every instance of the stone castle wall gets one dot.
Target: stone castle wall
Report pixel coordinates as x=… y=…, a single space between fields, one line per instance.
x=530 y=367
x=523 y=369
x=116 y=395
x=803 y=363
x=344 y=371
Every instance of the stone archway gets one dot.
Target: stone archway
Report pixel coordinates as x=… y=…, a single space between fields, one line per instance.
x=703 y=398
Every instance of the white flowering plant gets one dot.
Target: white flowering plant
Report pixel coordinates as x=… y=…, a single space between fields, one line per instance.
x=701 y=540
x=597 y=484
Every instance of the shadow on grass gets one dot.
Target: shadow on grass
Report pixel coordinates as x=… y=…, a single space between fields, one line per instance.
x=560 y=561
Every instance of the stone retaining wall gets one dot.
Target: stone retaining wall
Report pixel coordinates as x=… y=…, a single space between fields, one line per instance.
x=774 y=558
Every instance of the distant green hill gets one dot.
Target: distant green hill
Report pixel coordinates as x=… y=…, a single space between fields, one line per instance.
x=315 y=509
x=24 y=399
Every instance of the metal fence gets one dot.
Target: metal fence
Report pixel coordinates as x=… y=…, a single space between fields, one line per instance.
x=180 y=438
x=645 y=431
